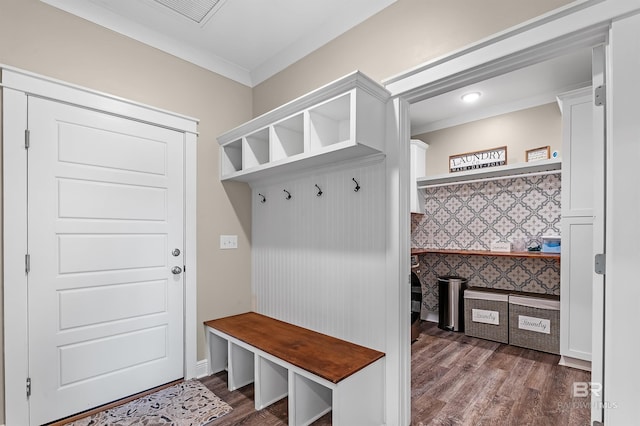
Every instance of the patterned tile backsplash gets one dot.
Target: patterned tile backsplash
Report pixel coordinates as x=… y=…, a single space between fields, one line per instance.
x=471 y=216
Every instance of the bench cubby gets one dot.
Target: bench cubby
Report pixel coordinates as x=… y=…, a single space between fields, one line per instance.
x=318 y=373
x=272 y=384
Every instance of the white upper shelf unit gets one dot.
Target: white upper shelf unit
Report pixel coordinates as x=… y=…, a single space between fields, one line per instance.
x=491 y=173
x=342 y=120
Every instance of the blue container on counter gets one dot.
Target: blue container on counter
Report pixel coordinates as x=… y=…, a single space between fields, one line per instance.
x=551 y=244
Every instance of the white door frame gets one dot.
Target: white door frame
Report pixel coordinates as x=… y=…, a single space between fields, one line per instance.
x=17 y=84
x=622 y=293
x=581 y=24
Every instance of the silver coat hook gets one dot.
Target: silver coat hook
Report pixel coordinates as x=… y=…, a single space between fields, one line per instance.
x=288 y=197
x=319 y=191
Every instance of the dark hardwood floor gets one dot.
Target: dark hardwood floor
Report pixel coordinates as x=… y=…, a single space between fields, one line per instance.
x=456 y=380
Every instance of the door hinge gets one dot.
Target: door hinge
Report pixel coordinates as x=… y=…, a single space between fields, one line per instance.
x=27 y=263
x=27 y=138
x=600 y=95
x=600 y=265
x=28 y=387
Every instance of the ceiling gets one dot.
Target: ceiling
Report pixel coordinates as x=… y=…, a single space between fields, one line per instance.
x=251 y=40
x=528 y=87
x=245 y=40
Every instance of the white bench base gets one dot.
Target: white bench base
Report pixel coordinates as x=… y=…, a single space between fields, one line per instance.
x=354 y=401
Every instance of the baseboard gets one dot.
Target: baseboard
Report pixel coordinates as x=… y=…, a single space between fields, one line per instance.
x=202 y=368
x=431 y=316
x=580 y=364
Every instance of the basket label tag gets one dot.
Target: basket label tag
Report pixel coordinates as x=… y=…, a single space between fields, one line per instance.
x=539 y=325
x=485 y=317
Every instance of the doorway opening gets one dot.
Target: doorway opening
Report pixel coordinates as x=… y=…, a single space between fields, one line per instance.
x=460 y=217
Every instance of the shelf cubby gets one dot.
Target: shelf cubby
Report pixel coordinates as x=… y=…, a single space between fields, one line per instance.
x=330 y=122
x=232 y=157
x=288 y=138
x=256 y=149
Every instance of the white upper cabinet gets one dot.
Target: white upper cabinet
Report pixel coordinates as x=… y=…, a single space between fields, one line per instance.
x=342 y=120
x=578 y=153
x=418 y=169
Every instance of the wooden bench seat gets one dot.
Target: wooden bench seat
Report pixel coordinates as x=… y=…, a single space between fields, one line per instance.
x=325 y=356
x=318 y=372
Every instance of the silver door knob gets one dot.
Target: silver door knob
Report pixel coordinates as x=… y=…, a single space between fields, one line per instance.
x=176 y=270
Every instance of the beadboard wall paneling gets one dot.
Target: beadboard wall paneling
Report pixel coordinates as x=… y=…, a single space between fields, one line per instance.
x=471 y=216
x=318 y=261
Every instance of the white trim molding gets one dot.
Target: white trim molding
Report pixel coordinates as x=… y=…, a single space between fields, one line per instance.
x=580 y=24
x=202 y=369
x=16 y=85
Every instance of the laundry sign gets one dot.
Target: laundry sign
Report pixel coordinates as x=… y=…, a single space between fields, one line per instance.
x=485 y=317
x=539 y=325
x=478 y=159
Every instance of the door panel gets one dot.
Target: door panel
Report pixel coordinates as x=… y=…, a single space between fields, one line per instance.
x=142 y=346
x=101 y=147
x=79 y=199
x=128 y=300
x=577 y=277
x=105 y=211
x=110 y=252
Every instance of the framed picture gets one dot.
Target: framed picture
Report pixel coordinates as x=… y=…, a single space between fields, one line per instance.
x=535 y=154
x=478 y=159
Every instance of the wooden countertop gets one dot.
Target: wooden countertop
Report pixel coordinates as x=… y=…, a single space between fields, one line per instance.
x=325 y=356
x=530 y=254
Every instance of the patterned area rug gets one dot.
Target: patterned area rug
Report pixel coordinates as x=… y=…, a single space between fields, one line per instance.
x=188 y=403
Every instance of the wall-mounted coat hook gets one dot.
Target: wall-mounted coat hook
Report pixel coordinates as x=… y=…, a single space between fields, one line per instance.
x=357 y=188
x=319 y=191
x=288 y=197
x=263 y=199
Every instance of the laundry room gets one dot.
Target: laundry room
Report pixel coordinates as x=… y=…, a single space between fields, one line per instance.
x=493 y=202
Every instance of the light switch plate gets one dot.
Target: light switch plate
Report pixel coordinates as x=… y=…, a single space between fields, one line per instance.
x=228 y=242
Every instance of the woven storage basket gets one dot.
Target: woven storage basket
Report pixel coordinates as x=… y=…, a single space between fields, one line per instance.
x=534 y=323
x=481 y=307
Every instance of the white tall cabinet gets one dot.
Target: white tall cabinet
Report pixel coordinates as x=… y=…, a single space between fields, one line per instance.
x=579 y=179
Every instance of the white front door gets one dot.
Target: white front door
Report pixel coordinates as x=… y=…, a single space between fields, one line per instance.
x=105 y=229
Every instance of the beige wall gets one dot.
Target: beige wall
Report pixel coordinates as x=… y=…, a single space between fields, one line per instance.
x=518 y=131
x=400 y=37
x=41 y=39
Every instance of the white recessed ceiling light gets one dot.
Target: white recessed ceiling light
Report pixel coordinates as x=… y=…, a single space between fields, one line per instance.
x=471 y=97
